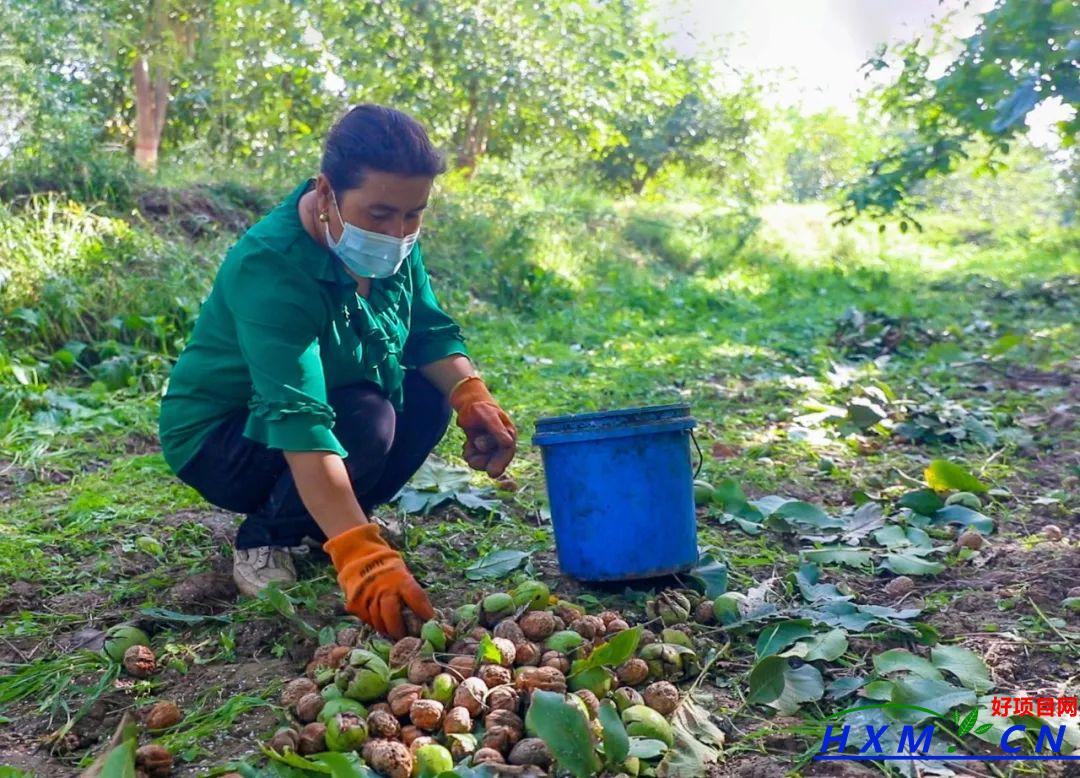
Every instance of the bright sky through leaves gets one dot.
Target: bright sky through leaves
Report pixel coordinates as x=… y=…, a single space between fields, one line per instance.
x=815 y=48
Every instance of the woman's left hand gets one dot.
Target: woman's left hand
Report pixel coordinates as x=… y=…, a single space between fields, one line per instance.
x=490 y=436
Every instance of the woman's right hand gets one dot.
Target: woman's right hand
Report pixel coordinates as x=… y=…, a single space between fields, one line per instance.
x=490 y=436
x=375 y=581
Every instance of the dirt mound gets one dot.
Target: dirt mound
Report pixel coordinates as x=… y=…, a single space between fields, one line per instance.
x=197 y=210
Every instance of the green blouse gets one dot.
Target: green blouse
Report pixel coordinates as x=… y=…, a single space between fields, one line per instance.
x=282 y=326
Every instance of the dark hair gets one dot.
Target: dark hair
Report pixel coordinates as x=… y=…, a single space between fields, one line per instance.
x=374 y=137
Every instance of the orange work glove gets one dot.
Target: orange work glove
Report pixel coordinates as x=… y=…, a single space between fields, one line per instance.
x=376 y=583
x=490 y=437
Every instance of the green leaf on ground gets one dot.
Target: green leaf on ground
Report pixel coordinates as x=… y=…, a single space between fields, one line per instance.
x=823 y=646
x=878 y=690
x=911 y=564
x=897 y=660
x=895 y=536
x=844 y=687
x=711 y=575
x=488 y=652
x=611 y=652
x=496 y=564
x=616 y=741
x=839 y=555
x=965 y=517
x=769 y=504
x=865 y=413
x=166 y=615
x=807 y=578
x=294 y=760
x=730 y=497
x=866 y=518
x=856 y=618
x=806 y=514
x=801 y=684
x=120 y=761
x=776 y=637
x=924 y=501
x=646 y=748
x=562 y=726
x=938 y=696
x=283 y=604
x=346 y=765
x=945 y=476
x=966 y=665
x=767 y=679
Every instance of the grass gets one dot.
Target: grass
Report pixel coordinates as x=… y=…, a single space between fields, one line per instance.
x=571 y=302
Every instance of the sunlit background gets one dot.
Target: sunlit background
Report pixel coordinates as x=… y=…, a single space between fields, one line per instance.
x=811 y=51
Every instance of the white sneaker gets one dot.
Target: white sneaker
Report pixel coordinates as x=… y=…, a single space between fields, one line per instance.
x=256 y=568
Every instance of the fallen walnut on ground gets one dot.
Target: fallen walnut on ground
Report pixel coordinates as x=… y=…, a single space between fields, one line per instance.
x=140 y=662
x=162 y=715
x=154 y=760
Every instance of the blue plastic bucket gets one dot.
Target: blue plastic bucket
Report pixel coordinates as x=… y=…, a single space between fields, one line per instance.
x=621 y=487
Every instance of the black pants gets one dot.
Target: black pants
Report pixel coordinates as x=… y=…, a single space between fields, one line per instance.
x=385 y=449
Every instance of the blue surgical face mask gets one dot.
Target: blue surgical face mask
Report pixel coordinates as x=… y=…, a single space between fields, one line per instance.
x=369 y=254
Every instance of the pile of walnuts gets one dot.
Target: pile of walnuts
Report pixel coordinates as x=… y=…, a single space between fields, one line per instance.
x=458 y=691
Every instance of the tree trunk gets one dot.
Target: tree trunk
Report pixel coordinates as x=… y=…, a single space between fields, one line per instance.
x=151 y=103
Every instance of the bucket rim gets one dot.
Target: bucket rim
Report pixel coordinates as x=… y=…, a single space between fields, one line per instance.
x=647 y=413
x=619 y=423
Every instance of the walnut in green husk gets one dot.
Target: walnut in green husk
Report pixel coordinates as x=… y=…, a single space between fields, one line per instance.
x=625 y=696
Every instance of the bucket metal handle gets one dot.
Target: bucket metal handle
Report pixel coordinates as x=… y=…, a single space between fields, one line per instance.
x=700 y=456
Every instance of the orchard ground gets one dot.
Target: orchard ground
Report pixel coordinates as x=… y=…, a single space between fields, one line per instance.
x=779 y=330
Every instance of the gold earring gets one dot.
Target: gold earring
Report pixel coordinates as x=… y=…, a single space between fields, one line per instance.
x=324 y=217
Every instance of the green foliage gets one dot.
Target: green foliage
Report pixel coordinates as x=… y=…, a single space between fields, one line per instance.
x=575 y=82
x=811 y=157
x=1023 y=54
x=565 y=730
